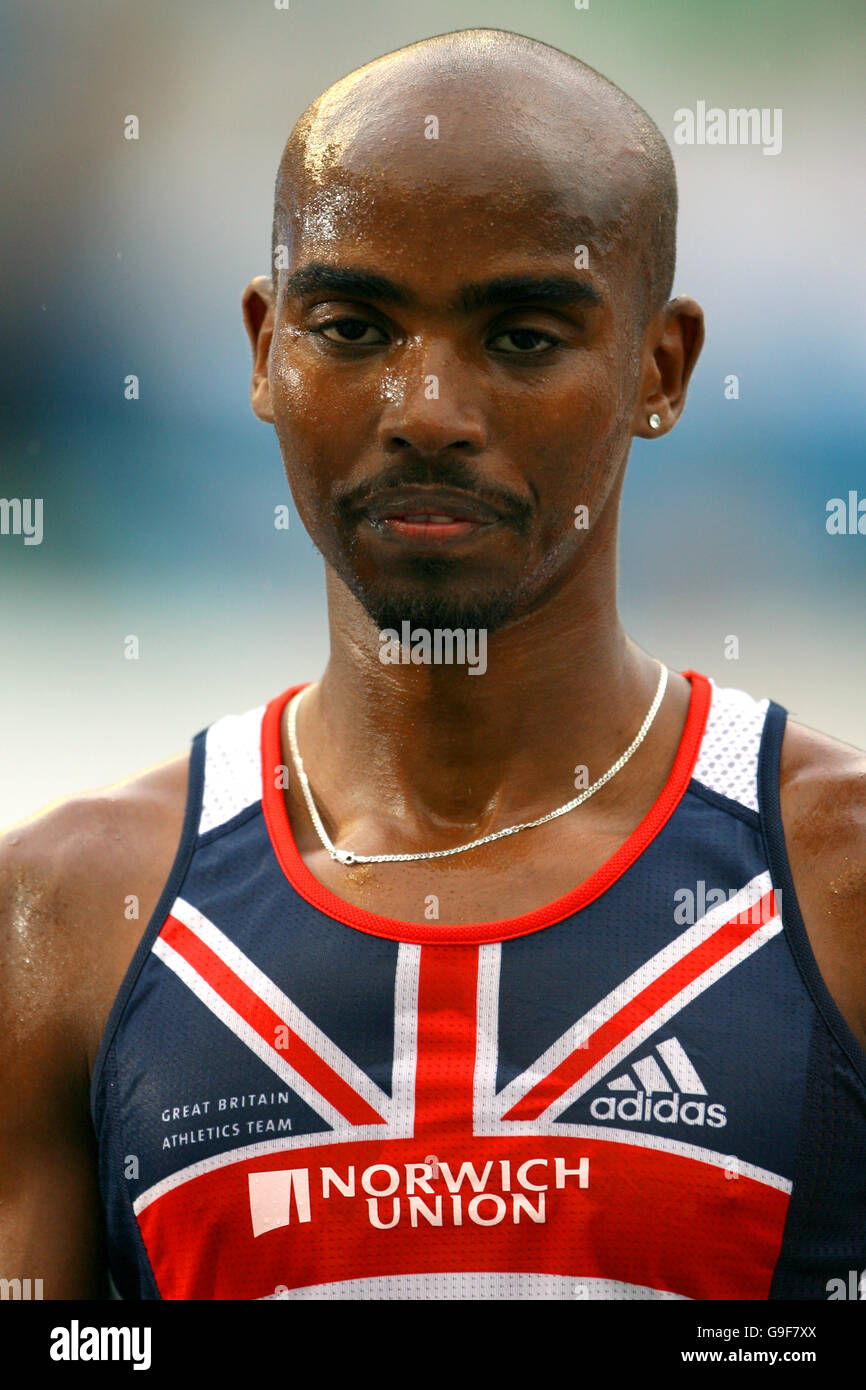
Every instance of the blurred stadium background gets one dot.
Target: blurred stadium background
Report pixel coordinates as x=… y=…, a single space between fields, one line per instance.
x=127 y=257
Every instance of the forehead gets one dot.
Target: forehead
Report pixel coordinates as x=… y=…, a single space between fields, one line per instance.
x=450 y=170
x=435 y=216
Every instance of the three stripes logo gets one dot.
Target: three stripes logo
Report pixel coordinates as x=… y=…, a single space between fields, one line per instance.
x=669 y=1094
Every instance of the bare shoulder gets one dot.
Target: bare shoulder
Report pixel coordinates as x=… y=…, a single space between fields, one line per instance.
x=823 y=803
x=78 y=883
x=823 y=793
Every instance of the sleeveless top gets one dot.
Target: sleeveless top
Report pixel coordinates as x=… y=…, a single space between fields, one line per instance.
x=640 y=1090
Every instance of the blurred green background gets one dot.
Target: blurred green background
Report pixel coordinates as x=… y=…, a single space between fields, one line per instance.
x=125 y=257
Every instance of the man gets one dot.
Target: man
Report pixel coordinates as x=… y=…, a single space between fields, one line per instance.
x=535 y=1066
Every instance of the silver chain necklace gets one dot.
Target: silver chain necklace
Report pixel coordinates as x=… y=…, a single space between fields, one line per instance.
x=347 y=856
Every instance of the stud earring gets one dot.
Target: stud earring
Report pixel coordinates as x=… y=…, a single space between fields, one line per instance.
x=654 y=421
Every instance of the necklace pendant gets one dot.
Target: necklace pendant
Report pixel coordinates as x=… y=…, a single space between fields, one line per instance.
x=345 y=856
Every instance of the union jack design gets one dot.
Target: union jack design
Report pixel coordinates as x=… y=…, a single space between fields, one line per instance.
x=456 y=1174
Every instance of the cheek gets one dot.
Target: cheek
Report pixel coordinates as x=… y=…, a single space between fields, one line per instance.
x=312 y=424
x=320 y=416
x=570 y=440
x=298 y=410
x=294 y=391
x=565 y=433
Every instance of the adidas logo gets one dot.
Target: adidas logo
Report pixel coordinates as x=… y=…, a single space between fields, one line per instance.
x=676 y=1106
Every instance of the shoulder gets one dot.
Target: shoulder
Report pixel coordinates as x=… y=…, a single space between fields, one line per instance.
x=822 y=786
x=78 y=883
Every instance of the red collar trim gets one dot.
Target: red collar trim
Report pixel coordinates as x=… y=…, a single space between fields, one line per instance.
x=473 y=933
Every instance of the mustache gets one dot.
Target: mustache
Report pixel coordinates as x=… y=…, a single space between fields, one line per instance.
x=447 y=473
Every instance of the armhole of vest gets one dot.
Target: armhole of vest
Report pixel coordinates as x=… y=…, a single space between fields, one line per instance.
x=177 y=874
x=769 y=801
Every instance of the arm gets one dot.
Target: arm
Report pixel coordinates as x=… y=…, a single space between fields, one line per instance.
x=50 y=1222
x=823 y=799
x=65 y=944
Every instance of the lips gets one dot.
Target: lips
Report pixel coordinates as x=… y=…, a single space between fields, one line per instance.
x=428 y=506
x=419 y=517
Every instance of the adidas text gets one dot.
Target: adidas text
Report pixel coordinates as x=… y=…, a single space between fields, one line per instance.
x=667 y=1111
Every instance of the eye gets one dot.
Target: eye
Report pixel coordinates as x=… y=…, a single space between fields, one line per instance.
x=353 y=331
x=526 y=348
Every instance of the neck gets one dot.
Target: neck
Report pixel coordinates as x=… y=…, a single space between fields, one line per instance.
x=430 y=754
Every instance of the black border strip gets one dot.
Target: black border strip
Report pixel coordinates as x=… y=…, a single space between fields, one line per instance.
x=188 y=840
x=773 y=833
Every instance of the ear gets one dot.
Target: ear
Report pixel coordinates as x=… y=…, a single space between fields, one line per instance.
x=672 y=344
x=258 y=310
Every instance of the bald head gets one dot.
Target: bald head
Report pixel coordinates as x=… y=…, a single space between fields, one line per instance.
x=601 y=171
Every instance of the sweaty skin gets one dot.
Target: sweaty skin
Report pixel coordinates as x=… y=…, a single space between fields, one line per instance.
x=537 y=404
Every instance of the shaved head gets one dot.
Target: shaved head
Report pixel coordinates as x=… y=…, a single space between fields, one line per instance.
x=601 y=171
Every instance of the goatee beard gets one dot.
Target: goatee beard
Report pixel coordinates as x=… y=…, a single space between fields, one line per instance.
x=431 y=611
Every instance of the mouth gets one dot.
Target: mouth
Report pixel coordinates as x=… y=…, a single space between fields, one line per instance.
x=429 y=515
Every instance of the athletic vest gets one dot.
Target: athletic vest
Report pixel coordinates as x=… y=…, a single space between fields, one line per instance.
x=641 y=1090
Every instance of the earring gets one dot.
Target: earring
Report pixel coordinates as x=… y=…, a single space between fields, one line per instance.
x=654 y=421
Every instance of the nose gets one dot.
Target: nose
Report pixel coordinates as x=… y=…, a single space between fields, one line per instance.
x=429 y=408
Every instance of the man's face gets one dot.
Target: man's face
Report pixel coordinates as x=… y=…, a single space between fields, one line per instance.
x=521 y=405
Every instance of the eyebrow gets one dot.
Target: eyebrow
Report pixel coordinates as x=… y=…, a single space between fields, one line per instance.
x=471 y=297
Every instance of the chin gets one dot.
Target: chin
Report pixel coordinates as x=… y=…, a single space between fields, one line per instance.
x=430 y=611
